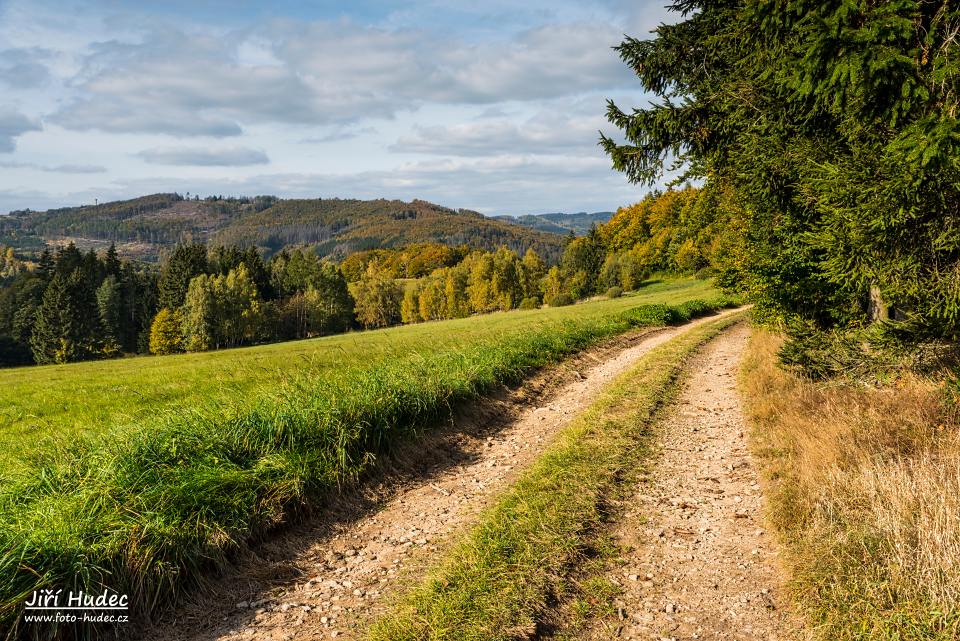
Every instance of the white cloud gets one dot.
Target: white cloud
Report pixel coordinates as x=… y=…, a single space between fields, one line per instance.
x=548 y=132
x=504 y=100
x=202 y=157
x=322 y=73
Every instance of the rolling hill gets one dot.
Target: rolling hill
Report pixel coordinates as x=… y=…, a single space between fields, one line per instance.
x=144 y=227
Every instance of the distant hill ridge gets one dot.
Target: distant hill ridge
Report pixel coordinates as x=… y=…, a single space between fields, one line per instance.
x=560 y=223
x=144 y=227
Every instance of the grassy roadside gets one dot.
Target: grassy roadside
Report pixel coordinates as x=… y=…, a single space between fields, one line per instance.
x=864 y=489
x=151 y=512
x=43 y=408
x=499 y=581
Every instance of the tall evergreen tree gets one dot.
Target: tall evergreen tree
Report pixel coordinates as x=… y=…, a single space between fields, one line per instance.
x=86 y=324
x=838 y=126
x=110 y=308
x=185 y=263
x=68 y=259
x=54 y=333
x=111 y=262
x=45 y=266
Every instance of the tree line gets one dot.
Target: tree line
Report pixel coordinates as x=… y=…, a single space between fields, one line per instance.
x=71 y=306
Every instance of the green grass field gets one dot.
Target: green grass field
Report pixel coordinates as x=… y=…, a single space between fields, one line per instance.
x=43 y=408
x=142 y=475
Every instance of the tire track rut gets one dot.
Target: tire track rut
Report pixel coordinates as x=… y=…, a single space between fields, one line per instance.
x=697 y=561
x=327 y=578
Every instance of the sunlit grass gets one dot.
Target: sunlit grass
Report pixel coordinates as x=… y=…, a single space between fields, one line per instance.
x=145 y=487
x=39 y=406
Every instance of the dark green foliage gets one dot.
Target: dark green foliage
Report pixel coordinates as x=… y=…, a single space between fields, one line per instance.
x=13 y=352
x=836 y=124
x=55 y=335
x=582 y=260
x=45 y=264
x=185 y=263
x=866 y=355
x=223 y=259
x=614 y=292
x=560 y=300
x=68 y=259
x=529 y=303
x=19 y=301
x=109 y=307
x=111 y=262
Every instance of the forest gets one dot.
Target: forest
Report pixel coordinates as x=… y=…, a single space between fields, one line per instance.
x=834 y=127
x=147 y=228
x=70 y=305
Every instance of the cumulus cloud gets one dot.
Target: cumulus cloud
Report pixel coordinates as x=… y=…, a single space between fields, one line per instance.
x=230 y=157
x=541 y=63
x=182 y=85
x=13 y=124
x=324 y=73
x=547 y=132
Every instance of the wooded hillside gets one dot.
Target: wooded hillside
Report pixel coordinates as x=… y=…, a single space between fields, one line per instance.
x=146 y=227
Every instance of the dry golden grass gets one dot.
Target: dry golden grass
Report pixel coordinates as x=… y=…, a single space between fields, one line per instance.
x=864 y=487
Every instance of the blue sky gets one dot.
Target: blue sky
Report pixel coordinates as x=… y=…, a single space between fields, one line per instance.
x=491 y=105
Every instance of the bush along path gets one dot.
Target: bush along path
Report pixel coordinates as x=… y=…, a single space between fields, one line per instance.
x=506 y=577
x=333 y=576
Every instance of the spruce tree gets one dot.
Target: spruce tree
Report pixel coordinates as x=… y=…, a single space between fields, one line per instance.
x=109 y=306
x=111 y=262
x=836 y=124
x=185 y=263
x=54 y=334
x=45 y=265
x=68 y=259
x=86 y=324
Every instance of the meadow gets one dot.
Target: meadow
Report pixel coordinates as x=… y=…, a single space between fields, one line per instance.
x=145 y=474
x=44 y=407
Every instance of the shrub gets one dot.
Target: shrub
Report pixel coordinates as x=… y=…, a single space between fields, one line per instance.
x=166 y=336
x=530 y=302
x=704 y=273
x=560 y=300
x=614 y=292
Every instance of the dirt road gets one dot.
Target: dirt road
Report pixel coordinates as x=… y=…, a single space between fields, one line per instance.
x=698 y=563
x=328 y=578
